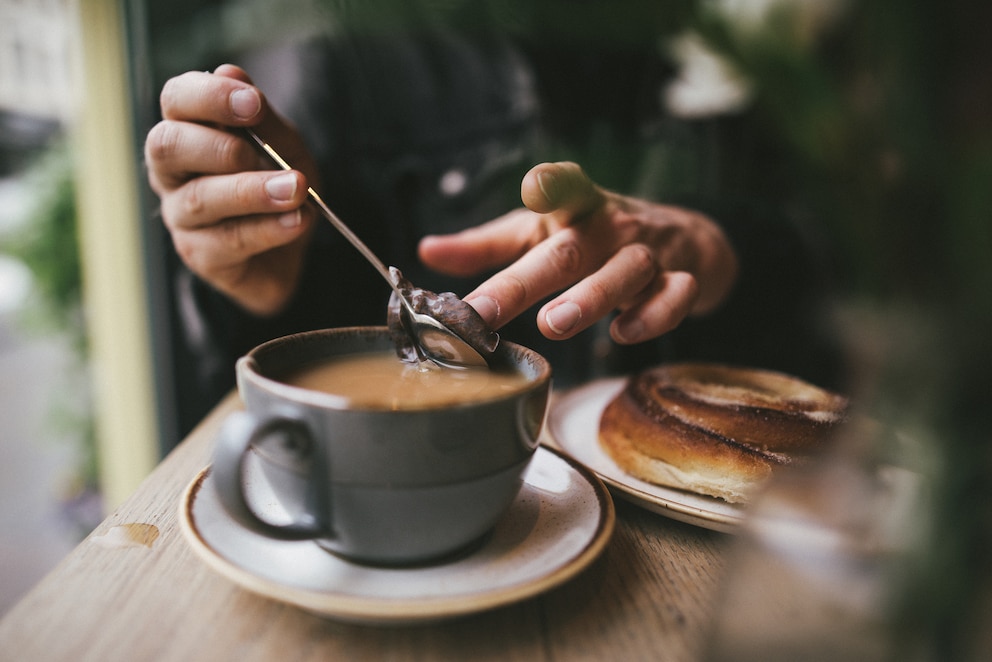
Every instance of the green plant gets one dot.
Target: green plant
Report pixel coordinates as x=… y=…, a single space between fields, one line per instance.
x=47 y=242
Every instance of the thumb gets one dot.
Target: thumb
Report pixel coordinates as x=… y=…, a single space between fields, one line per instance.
x=560 y=187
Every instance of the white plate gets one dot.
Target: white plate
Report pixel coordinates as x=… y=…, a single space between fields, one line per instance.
x=573 y=425
x=559 y=523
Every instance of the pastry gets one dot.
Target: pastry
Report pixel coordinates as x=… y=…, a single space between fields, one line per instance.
x=716 y=429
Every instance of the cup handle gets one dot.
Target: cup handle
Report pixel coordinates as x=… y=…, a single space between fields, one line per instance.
x=238 y=433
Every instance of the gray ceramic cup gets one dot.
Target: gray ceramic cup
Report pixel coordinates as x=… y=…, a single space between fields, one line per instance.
x=375 y=485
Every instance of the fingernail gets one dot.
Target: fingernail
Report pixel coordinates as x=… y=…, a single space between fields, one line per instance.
x=487 y=307
x=281 y=187
x=291 y=219
x=629 y=332
x=546 y=183
x=245 y=103
x=563 y=318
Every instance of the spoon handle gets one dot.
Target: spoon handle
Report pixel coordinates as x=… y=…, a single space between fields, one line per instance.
x=431 y=338
x=332 y=217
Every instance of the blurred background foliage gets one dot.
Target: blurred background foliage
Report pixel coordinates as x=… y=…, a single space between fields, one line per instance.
x=47 y=241
x=882 y=114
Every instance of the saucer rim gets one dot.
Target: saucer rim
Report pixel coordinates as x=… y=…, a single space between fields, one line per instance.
x=366 y=610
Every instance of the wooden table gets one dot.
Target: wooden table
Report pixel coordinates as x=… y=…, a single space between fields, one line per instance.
x=134 y=590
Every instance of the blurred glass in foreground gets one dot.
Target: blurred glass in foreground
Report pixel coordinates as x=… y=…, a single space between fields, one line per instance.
x=819 y=569
x=879 y=549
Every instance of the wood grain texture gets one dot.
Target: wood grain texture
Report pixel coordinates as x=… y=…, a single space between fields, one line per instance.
x=125 y=594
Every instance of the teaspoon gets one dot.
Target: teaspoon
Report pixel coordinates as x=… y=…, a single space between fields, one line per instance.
x=436 y=340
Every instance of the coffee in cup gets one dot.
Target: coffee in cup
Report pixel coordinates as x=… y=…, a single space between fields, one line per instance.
x=375 y=459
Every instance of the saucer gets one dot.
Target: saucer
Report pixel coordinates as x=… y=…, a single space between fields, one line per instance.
x=573 y=427
x=558 y=524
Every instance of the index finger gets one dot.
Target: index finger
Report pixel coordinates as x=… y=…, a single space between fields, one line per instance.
x=198 y=96
x=562 y=259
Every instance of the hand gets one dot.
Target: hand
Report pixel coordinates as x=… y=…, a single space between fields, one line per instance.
x=241 y=229
x=654 y=263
